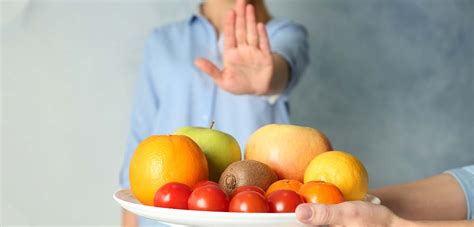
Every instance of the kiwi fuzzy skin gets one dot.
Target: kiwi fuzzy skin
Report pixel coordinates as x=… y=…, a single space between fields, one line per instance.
x=247 y=172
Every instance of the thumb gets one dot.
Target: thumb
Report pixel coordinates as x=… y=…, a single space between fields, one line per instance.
x=209 y=68
x=337 y=214
x=345 y=213
x=316 y=214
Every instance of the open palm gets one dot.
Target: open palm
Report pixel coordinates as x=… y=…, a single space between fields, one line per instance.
x=248 y=64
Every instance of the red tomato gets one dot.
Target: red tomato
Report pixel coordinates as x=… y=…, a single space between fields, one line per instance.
x=284 y=201
x=173 y=195
x=247 y=188
x=205 y=183
x=209 y=198
x=249 y=202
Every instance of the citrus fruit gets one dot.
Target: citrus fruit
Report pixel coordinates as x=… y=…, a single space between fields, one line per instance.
x=293 y=185
x=321 y=192
x=159 y=160
x=341 y=169
x=287 y=149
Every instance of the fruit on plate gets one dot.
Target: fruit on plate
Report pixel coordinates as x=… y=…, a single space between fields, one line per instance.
x=208 y=198
x=284 y=201
x=220 y=148
x=159 y=160
x=247 y=188
x=205 y=183
x=284 y=184
x=249 y=202
x=321 y=192
x=173 y=195
x=287 y=149
x=247 y=172
x=341 y=169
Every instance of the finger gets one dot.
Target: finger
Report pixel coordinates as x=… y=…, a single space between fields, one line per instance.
x=229 y=31
x=209 y=68
x=320 y=214
x=315 y=214
x=346 y=213
x=264 y=43
x=252 y=38
x=240 y=31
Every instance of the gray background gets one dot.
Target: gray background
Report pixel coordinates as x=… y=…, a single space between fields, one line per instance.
x=390 y=81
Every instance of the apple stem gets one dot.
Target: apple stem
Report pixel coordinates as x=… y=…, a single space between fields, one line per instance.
x=212 y=125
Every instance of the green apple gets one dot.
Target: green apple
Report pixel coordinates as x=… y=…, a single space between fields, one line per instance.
x=220 y=148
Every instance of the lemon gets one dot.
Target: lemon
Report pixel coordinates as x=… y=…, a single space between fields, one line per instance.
x=341 y=169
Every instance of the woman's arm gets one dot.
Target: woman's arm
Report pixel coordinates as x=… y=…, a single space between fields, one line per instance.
x=436 y=198
x=441 y=224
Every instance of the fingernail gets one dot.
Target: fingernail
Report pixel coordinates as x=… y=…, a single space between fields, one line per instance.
x=304 y=213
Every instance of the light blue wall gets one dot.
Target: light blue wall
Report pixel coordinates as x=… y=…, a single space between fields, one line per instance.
x=390 y=81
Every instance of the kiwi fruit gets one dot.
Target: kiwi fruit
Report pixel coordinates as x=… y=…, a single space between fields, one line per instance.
x=246 y=172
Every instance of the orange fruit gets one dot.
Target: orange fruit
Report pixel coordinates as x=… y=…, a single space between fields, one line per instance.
x=293 y=185
x=159 y=160
x=287 y=149
x=341 y=169
x=321 y=192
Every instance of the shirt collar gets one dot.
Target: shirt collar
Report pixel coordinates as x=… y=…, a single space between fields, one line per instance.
x=197 y=15
x=197 y=12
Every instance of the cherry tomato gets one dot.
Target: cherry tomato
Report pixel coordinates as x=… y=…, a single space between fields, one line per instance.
x=284 y=201
x=247 y=188
x=208 y=198
x=173 y=195
x=249 y=202
x=205 y=183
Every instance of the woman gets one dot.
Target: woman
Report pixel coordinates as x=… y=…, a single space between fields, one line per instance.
x=246 y=64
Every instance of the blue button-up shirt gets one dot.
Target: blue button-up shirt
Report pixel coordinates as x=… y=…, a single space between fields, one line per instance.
x=465 y=178
x=171 y=92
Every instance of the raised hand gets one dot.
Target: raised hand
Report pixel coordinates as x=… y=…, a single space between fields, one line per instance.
x=248 y=62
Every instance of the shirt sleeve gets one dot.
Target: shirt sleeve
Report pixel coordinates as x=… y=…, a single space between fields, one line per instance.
x=290 y=41
x=465 y=178
x=145 y=106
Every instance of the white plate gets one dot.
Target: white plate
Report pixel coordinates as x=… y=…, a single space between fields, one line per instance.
x=205 y=218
